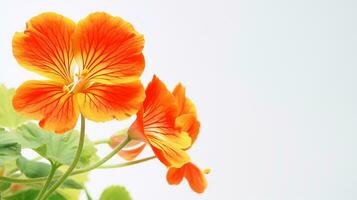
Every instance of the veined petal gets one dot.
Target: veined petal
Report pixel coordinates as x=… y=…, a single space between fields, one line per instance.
x=131 y=150
x=101 y=102
x=195 y=178
x=45 y=46
x=49 y=103
x=109 y=49
x=168 y=149
x=155 y=124
x=159 y=109
x=182 y=139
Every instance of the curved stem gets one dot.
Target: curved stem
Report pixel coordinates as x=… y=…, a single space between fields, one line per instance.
x=54 y=167
x=127 y=163
x=103 y=141
x=105 y=159
x=83 y=170
x=74 y=163
x=80 y=171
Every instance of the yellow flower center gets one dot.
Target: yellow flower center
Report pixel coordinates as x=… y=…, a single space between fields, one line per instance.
x=80 y=84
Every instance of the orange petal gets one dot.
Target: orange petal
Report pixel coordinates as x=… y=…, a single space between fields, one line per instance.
x=195 y=178
x=45 y=46
x=131 y=150
x=156 y=123
x=109 y=49
x=132 y=153
x=159 y=109
x=168 y=149
x=189 y=124
x=48 y=102
x=136 y=130
x=158 y=113
x=100 y=102
x=174 y=176
x=187 y=119
x=185 y=105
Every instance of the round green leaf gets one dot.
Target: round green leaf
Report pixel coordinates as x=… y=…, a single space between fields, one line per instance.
x=115 y=193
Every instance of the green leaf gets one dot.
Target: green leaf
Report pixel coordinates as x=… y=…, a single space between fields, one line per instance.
x=4 y=186
x=33 y=169
x=115 y=193
x=31 y=194
x=9 y=148
x=31 y=136
x=8 y=117
x=60 y=148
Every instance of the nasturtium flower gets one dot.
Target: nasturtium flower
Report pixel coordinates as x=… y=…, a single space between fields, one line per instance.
x=166 y=114
x=93 y=68
x=155 y=125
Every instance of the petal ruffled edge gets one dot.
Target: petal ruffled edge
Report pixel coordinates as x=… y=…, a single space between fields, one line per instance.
x=45 y=47
x=109 y=49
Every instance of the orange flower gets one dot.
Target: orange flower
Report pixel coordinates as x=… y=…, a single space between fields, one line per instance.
x=165 y=114
x=105 y=54
x=155 y=125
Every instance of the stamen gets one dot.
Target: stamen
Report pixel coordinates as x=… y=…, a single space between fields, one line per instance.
x=207 y=171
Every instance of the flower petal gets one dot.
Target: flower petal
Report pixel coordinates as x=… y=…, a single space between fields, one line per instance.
x=187 y=119
x=155 y=124
x=185 y=105
x=45 y=46
x=168 y=149
x=48 y=102
x=195 y=178
x=174 y=176
x=188 y=123
x=160 y=109
x=131 y=150
x=101 y=102
x=109 y=49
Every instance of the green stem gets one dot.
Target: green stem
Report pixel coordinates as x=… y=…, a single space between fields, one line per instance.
x=83 y=170
x=105 y=159
x=89 y=197
x=127 y=163
x=54 y=167
x=104 y=141
x=74 y=163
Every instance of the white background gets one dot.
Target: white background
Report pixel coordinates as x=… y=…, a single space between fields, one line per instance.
x=274 y=82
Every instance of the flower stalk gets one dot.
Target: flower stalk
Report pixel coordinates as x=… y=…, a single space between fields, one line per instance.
x=72 y=166
x=54 y=167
